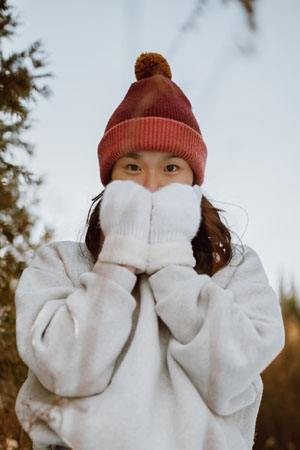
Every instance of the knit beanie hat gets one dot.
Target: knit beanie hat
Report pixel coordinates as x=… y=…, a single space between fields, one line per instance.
x=155 y=115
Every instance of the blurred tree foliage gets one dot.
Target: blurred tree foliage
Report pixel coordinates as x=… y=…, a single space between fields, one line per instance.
x=249 y=8
x=21 y=82
x=278 y=423
x=199 y=7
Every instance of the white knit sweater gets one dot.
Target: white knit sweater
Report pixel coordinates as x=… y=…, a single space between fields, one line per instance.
x=117 y=361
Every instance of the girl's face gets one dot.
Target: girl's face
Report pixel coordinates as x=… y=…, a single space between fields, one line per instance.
x=152 y=170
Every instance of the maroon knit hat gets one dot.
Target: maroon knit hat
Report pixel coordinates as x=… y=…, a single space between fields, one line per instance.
x=155 y=115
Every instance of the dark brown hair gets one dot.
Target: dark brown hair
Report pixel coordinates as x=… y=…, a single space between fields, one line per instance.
x=212 y=246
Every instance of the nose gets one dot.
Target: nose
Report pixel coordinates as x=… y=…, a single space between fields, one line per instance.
x=152 y=182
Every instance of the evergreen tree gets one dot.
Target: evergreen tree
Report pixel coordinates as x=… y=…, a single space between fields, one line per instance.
x=21 y=82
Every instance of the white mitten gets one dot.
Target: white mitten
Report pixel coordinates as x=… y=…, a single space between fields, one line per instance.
x=125 y=221
x=175 y=220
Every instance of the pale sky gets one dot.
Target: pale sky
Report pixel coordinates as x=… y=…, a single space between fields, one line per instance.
x=247 y=106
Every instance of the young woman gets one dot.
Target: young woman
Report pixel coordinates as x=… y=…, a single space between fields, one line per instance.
x=154 y=333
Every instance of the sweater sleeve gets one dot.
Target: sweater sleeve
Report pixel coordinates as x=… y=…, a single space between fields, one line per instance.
x=223 y=334
x=71 y=333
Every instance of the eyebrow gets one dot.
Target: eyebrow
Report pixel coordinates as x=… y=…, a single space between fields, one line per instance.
x=136 y=155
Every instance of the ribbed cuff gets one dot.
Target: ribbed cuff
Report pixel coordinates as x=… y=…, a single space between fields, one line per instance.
x=152 y=134
x=163 y=254
x=116 y=273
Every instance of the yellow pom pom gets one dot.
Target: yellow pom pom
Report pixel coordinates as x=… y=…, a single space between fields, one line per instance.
x=149 y=64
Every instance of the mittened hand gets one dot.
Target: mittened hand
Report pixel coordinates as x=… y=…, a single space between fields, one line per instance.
x=125 y=222
x=175 y=220
x=175 y=213
x=149 y=230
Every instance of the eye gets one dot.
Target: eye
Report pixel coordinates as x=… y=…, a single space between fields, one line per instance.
x=133 y=167
x=171 y=168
